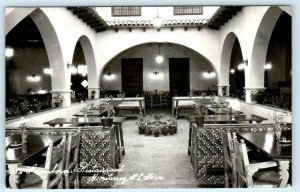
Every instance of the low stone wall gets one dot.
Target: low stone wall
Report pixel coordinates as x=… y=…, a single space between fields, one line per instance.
x=257 y=109
x=38 y=119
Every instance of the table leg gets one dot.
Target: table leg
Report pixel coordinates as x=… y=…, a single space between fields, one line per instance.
x=283 y=167
x=118 y=141
x=190 y=139
x=121 y=136
x=14 y=177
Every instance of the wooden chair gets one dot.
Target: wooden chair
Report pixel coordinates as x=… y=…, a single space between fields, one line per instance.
x=253 y=174
x=49 y=175
x=164 y=99
x=229 y=160
x=156 y=100
x=71 y=165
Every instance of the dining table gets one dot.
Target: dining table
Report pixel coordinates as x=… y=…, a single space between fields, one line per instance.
x=229 y=118
x=219 y=110
x=92 y=113
x=279 y=150
x=224 y=119
x=18 y=152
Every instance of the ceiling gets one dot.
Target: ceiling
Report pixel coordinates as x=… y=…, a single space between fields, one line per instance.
x=26 y=33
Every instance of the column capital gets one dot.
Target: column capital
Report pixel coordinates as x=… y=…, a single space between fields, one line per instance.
x=223 y=85
x=92 y=88
x=254 y=88
x=61 y=91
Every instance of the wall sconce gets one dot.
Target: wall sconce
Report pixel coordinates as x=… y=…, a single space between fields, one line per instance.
x=243 y=65
x=232 y=71
x=155 y=72
x=156 y=75
x=159 y=58
x=109 y=76
x=48 y=71
x=209 y=74
x=9 y=52
x=72 y=68
x=82 y=69
x=268 y=66
x=34 y=78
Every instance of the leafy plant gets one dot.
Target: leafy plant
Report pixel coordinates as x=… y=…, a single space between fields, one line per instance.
x=258 y=95
x=60 y=98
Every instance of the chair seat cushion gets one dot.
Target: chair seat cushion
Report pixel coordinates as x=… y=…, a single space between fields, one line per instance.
x=266 y=178
x=33 y=181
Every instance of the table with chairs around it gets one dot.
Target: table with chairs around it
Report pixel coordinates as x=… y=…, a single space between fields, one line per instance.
x=210 y=154
x=54 y=155
x=243 y=171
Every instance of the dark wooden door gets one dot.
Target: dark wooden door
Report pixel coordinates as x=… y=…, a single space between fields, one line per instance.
x=132 y=76
x=179 y=76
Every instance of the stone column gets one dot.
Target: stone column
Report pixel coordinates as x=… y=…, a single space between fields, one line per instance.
x=249 y=91
x=66 y=97
x=94 y=91
x=221 y=92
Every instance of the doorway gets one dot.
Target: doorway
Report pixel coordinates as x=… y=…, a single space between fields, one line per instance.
x=179 y=74
x=132 y=76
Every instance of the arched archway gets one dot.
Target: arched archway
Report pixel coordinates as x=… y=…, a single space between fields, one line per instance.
x=255 y=72
x=198 y=65
x=226 y=57
x=91 y=64
x=59 y=78
x=259 y=51
x=83 y=54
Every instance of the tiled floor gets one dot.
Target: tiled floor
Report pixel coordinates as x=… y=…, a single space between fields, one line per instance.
x=164 y=157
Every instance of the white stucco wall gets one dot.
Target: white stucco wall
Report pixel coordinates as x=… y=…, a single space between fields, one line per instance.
x=111 y=43
x=68 y=33
x=244 y=25
x=108 y=44
x=197 y=65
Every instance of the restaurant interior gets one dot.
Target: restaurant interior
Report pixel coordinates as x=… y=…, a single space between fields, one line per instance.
x=133 y=97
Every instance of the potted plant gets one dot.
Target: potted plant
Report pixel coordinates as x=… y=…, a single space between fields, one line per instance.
x=148 y=130
x=59 y=100
x=141 y=123
x=37 y=105
x=258 y=96
x=165 y=130
x=24 y=107
x=172 y=124
x=93 y=93
x=156 y=129
x=108 y=121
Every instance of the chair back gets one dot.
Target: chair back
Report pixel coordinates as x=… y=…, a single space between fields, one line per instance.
x=242 y=161
x=72 y=148
x=56 y=155
x=228 y=147
x=229 y=158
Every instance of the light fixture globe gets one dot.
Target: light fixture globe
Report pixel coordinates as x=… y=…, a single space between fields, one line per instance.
x=268 y=66
x=157 y=22
x=9 y=52
x=159 y=58
x=209 y=74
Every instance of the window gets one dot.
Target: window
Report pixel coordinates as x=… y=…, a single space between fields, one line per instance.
x=188 y=10
x=126 y=11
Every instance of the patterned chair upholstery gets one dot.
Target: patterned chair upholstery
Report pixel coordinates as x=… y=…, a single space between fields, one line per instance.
x=207 y=149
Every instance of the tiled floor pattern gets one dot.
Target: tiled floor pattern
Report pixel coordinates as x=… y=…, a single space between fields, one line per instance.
x=163 y=156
